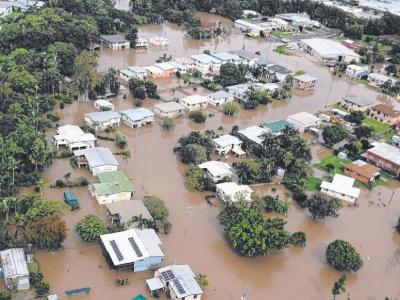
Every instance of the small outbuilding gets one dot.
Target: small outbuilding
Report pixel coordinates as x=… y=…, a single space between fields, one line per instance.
x=15 y=269
x=341 y=187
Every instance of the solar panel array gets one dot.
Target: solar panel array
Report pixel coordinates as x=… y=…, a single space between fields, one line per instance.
x=135 y=247
x=116 y=250
x=179 y=286
x=167 y=275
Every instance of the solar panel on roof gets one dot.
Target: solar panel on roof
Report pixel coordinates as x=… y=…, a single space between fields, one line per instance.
x=116 y=250
x=167 y=275
x=135 y=247
x=179 y=286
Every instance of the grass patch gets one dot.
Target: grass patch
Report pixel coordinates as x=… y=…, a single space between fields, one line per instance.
x=338 y=106
x=312 y=184
x=281 y=34
x=383 y=179
x=282 y=49
x=33 y=267
x=385 y=131
x=335 y=161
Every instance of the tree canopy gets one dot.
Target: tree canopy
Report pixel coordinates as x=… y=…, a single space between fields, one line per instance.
x=321 y=206
x=342 y=256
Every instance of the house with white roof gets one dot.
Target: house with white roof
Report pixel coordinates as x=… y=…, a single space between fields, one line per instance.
x=341 y=187
x=247 y=57
x=352 y=102
x=178 y=281
x=219 y=98
x=277 y=72
x=98 y=160
x=183 y=64
x=378 y=79
x=253 y=134
x=169 y=109
x=384 y=156
x=304 y=82
x=159 y=41
x=141 y=42
x=226 y=57
x=126 y=74
x=114 y=41
x=239 y=91
x=329 y=51
x=155 y=72
x=137 y=117
x=103 y=105
x=133 y=249
x=6 y=8
x=194 y=102
x=303 y=121
x=138 y=72
x=217 y=170
x=206 y=63
x=356 y=71
x=15 y=269
x=231 y=192
x=248 y=27
x=100 y=120
x=73 y=137
x=168 y=68
x=227 y=143
x=269 y=87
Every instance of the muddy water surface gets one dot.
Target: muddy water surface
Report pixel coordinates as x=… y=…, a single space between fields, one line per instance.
x=196 y=238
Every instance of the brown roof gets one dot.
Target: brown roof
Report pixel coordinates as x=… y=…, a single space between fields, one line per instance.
x=361 y=167
x=386 y=109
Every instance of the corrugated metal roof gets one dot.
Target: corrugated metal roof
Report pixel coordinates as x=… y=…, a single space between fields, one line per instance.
x=103 y=116
x=137 y=114
x=14 y=263
x=128 y=209
x=97 y=157
x=186 y=278
x=226 y=140
x=113 y=183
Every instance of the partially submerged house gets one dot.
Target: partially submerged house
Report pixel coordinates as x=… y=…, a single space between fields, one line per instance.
x=182 y=64
x=194 y=102
x=247 y=57
x=385 y=113
x=304 y=82
x=167 y=68
x=97 y=160
x=133 y=249
x=103 y=105
x=125 y=212
x=206 y=63
x=239 y=91
x=158 y=41
x=384 y=156
x=277 y=72
x=126 y=74
x=114 y=41
x=155 y=72
x=352 y=102
x=137 y=117
x=141 y=42
x=304 y=121
x=253 y=134
x=138 y=72
x=226 y=143
x=73 y=137
x=362 y=171
x=231 y=192
x=217 y=170
x=356 y=71
x=15 y=269
x=226 y=57
x=219 y=98
x=377 y=78
x=100 y=120
x=178 y=281
x=341 y=187
x=169 y=109
x=113 y=187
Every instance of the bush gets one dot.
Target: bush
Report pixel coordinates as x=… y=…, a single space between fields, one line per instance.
x=334 y=134
x=35 y=278
x=5 y=295
x=60 y=183
x=81 y=181
x=275 y=204
x=42 y=288
x=398 y=226
x=120 y=141
x=342 y=256
x=321 y=206
x=298 y=239
x=167 y=123
x=230 y=109
x=195 y=180
x=197 y=116
x=138 y=102
x=159 y=212
x=90 y=228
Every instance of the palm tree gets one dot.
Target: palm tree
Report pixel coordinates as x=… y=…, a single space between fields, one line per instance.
x=139 y=221
x=202 y=280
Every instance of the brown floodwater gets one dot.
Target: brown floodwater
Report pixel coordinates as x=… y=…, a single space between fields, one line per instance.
x=197 y=238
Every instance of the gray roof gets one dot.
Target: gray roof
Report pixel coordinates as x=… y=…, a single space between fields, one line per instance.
x=13 y=262
x=113 y=38
x=305 y=78
x=219 y=95
x=358 y=101
x=137 y=114
x=128 y=209
x=183 y=276
x=279 y=69
x=169 y=106
x=386 y=151
x=246 y=54
x=226 y=56
x=97 y=157
x=103 y=116
x=262 y=61
x=205 y=58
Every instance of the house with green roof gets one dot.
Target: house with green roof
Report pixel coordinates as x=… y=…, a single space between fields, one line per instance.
x=276 y=127
x=113 y=187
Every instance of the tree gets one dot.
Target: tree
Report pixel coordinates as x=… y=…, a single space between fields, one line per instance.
x=5 y=295
x=275 y=204
x=159 y=213
x=139 y=93
x=197 y=116
x=363 y=131
x=151 y=89
x=167 y=123
x=339 y=286
x=354 y=31
x=202 y=281
x=342 y=256
x=132 y=36
x=66 y=54
x=90 y=228
x=42 y=288
x=355 y=117
x=334 y=134
x=321 y=206
x=231 y=74
x=247 y=171
x=230 y=109
x=298 y=239
x=47 y=233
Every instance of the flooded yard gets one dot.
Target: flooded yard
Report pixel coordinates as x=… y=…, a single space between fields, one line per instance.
x=197 y=238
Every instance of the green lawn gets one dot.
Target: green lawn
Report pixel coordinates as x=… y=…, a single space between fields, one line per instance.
x=282 y=49
x=382 y=129
x=312 y=184
x=383 y=179
x=335 y=161
x=339 y=107
x=281 y=34
x=33 y=267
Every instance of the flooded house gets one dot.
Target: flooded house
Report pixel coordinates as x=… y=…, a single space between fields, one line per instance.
x=138 y=72
x=133 y=249
x=361 y=171
x=247 y=57
x=100 y=120
x=169 y=109
x=124 y=212
x=73 y=137
x=352 y=102
x=268 y=87
x=15 y=269
x=217 y=170
x=226 y=143
x=356 y=71
x=226 y=57
x=194 y=102
x=126 y=74
x=113 y=187
x=98 y=160
x=103 y=105
x=239 y=91
x=206 y=63
x=251 y=28
x=231 y=192
x=219 y=98
x=341 y=187
x=114 y=41
x=253 y=135
x=276 y=127
x=178 y=281
x=167 y=68
x=159 y=41
x=137 y=117
x=154 y=72
x=183 y=64
x=304 y=121
x=377 y=78
x=277 y=72
x=385 y=113
x=304 y=82
x=384 y=156
x=141 y=42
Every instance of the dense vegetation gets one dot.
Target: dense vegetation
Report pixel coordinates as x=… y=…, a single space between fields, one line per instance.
x=342 y=256
x=194 y=148
x=159 y=213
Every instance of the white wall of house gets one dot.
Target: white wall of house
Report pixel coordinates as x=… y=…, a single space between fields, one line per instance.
x=115 y=122
x=338 y=195
x=220 y=101
x=107 y=199
x=102 y=169
x=137 y=123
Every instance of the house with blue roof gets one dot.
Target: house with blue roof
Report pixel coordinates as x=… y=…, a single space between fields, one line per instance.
x=137 y=117
x=100 y=120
